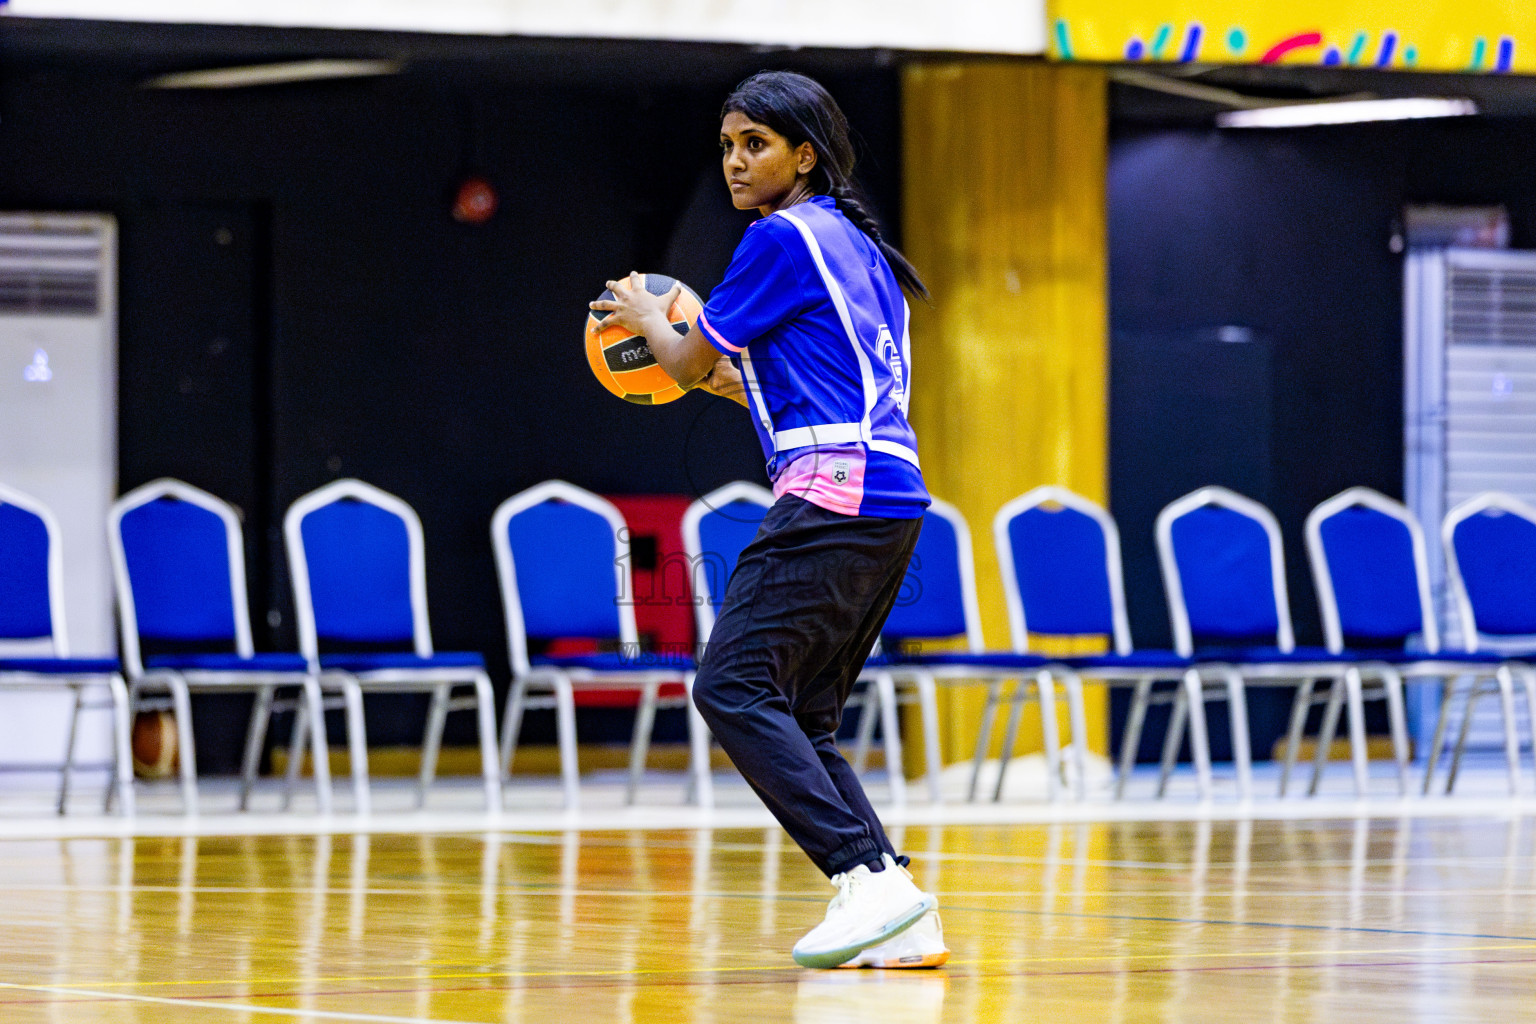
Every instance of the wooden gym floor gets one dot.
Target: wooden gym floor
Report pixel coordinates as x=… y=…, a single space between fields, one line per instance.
x=1405 y=918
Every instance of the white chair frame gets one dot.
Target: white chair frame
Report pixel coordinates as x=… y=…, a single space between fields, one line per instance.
x=1508 y=504
x=1233 y=679
x=882 y=699
x=561 y=682
x=121 y=765
x=1142 y=679
x=1389 y=677
x=1040 y=685
x=180 y=684
x=439 y=682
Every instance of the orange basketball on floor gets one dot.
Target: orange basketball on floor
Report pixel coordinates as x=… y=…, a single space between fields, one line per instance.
x=154 y=744
x=622 y=361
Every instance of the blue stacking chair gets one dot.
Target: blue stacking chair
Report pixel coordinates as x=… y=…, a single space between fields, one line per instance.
x=358 y=561
x=35 y=640
x=1490 y=561
x=1060 y=559
x=562 y=555
x=938 y=603
x=1224 y=575
x=715 y=529
x=1371 y=570
x=178 y=559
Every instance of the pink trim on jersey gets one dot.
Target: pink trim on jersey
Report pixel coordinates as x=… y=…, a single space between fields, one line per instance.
x=719 y=341
x=814 y=477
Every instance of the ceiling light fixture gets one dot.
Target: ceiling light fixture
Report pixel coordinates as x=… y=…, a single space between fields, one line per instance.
x=1297 y=115
x=274 y=74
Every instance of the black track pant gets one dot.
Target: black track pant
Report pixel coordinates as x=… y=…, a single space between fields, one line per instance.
x=801 y=613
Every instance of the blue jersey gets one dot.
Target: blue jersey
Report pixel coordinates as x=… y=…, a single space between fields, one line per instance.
x=812 y=315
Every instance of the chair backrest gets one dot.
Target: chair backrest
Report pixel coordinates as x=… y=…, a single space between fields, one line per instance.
x=562 y=555
x=1223 y=571
x=358 y=562
x=31 y=573
x=178 y=561
x=1490 y=560
x=1059 y=555
x=1371 y=571
x=716 y=528
x=938 y=596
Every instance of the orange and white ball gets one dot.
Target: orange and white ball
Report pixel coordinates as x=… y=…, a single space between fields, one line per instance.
x=622 y=362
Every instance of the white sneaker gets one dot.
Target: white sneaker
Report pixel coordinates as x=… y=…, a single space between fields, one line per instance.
x=869 y=908
x=921 y=945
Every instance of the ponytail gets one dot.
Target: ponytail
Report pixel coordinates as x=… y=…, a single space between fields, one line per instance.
x=799 y=109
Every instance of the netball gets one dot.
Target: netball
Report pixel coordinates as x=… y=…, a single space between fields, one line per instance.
x=621 y=360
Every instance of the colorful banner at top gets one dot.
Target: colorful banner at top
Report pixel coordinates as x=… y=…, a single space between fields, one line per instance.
x=1426 y=35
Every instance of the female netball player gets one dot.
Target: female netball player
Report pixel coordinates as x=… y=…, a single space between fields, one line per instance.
x=809 y=331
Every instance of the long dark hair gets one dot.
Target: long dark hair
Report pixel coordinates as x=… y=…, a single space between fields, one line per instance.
x=799 y=109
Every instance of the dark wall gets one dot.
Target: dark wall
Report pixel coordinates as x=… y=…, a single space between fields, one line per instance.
x=1256 y=321
x=297 y=303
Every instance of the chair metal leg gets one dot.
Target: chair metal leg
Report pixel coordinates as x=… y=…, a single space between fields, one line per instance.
x=1050 y=735
x=703 y=788
x=890 y=725
x=565 y=728
x=296 y=744
x=357 y=740
x=1357 y=758
x=320 y=745
x=1397 y=721
x=1237 y=716
x=490 y=761
x=122 y=747
x=1528 y=680
x=1130 y=740
x=432 y=741
x=1461 y=737
x=1438 y=743
x=1300 y=705
x=1171 y=738
x=640 y=742
x=511 y=722
x=255 y=738
x=1326 y=733
x=69 y=745
x=181 y=702
x=1077 y=720
x=984 y=735
x=928 y=706
x=1010 y=734
x=1511 y=744
x=865 y=735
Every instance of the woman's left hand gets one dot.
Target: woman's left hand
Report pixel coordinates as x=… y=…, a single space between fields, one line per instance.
x=632 y=307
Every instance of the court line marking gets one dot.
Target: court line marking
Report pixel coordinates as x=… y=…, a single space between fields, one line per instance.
x=277 y=1011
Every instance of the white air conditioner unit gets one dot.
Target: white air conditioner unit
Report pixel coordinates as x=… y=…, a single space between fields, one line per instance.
x=1469 y=411
x=58 y=437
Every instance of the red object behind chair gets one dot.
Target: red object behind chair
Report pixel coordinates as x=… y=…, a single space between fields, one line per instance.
x=663 y=589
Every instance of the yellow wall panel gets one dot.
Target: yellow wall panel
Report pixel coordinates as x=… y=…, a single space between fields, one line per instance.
x=1004 y=168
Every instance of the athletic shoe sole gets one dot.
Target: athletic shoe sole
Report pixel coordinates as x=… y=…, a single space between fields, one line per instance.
x=895 y=926
x=899 y=963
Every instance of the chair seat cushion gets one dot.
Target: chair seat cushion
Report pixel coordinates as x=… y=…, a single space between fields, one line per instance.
x=60 y=666
x=1136 y=659
x=293 y=663
x=386 y=661
x=1001 y=660
x=1455 y=657
x=1274 y=655
x=649 y=661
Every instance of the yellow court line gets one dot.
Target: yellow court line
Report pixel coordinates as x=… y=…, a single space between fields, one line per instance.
x=652 y=972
